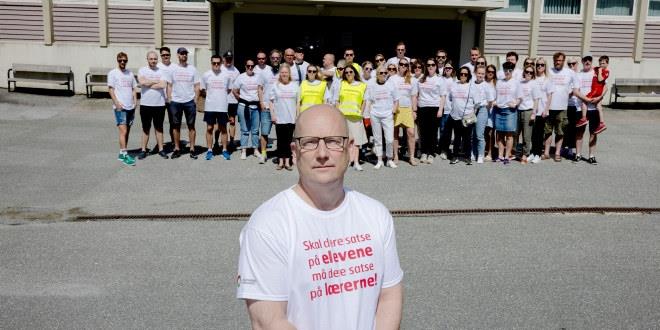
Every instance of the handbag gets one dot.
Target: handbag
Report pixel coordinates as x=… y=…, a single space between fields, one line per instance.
x=472 y=117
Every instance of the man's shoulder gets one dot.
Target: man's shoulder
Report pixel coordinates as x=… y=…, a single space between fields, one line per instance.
x=272 y=211
x=365 y=202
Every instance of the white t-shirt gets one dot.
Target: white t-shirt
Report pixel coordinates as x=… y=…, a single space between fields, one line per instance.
x=216 y=86
x=150 y=96
x=546 y=88
x=184 y=79
x=529 y=93
x=507 y=91
x=430 y=91
x=469 y=65
x=284 y=97
x=406 y=91
x=395 y=60
x=233 y=74
x=448 y=83
x=268 y=79
x=486 y=92
x=167 y=69
x=463 y=99
x=248 y=86
x=329 y=266
x=585 y=79
x=303 y=72
x=257 y=69
x=381 y=98
x=123 y=83
x=564 y=82
x=516 y=74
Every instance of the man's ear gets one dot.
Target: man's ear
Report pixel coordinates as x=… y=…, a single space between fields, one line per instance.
x=294 y=154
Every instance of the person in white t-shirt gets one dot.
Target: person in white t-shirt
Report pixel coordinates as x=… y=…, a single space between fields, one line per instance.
x=382 y=99
x=565 y=82
x=299 y=67
x=261 y=63
x=153 y=83
x=406 y=114
x=465 y=100
x=248 y=90
x=183 y=95
x=232 y=102
x=530 y=97
x=400 y=54
x=319 y=255
x=544 y=84
x=511 y=57
x=585 y=77
x=508 y=98
x=165 y=64
x=122 y=89
x=475 y=53
x=284 y=107
x=487 y=95
x=431 y=99
x=216 y=83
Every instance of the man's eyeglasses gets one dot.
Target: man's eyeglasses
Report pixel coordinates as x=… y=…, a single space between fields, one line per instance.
x=380 y=60
x=165 y=55
x=310 y=143
x=508 y=70
x=340 y=69
x=122 y=61
x=401 y=50
x=368 y=69
x=216 y=63
x=261 y=58
x=347 y=54
x=275 y=58
x=440 y=56
x=249 y=66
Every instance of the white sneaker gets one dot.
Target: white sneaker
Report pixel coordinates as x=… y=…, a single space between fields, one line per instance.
x=422 y=159
x=358 y=167
x=480 y=160
x=391 y=164
x=379 y=164
x=536 y=159
x=443 y=156
x=261 y=159
x=243 y=154
x=472 y=157
x=429 y=160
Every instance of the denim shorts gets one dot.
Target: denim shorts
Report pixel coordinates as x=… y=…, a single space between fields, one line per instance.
x=177 y=110
x=265 y=122
x=124 y=117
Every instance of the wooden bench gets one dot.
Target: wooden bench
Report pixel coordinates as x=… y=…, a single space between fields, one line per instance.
x=98 y=76
x=40 y=73
x=636 y=87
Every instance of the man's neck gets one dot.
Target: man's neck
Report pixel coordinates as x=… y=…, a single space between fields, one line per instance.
x=325 y=197
x=166 y=64
x=183 y=64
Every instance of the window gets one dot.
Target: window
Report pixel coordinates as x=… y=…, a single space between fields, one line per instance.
x=615 y=7
x=562 y=7
x=515 y=6
x=654 y=8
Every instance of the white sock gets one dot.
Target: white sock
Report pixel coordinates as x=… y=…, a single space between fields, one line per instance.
x=122 y=151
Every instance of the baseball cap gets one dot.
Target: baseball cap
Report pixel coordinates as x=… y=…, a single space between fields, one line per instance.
x=182 y=50
x=587 y=57
x=299 y=50
x=228 y=54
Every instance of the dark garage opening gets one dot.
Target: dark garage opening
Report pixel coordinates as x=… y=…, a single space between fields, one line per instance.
x=323 y=34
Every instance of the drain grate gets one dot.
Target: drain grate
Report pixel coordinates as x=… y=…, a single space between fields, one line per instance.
x=395 y=213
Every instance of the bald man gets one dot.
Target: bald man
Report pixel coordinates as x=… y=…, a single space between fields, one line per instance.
x=318 y=255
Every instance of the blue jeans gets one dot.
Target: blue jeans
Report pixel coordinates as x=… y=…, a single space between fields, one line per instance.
x=266 y=122
x=248 y=116
x=479 y=142
x=442 y=121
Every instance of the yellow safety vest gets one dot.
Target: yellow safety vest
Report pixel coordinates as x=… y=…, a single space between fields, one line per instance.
x=351 y=98
x=311 y=94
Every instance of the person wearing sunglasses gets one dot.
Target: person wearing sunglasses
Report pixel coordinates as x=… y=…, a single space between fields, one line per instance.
x=262 y=63
x=336 y=82
x=215 y=84
x=489 y=132
x=367 y=70
x=379 y=59
x=400 y=54
x=465 y=99
x=122 y=88
x=165 y=64
x=546 y=89
x=349 y=57
x=449 y=77
x=588 y=111
x=391 y=70
x=487 y=96
x=431 y=99
x=572 y=111
x=183 y=94
x=283 y=101
x=417 y=69
x=441 y=57
x=509 y=97
x=312 y=90
x=406 y=114
x=531 y=94
x=382 y=99
x=248 y=89
x=232 y=103
x=153 y=83
x=565 y=82
x=349 y=99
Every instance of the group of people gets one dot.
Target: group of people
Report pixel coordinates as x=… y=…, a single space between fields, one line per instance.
x=459 y=114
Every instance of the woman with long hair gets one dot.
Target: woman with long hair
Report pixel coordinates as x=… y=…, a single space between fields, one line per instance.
x=465 y=99
x=312 y=89
x=431 y=98
x=406 y=114
x=530 y=95
x=283 y=101
x=350 y=101
x=489 y=132
x=449 y=77
x=546 y=88
x=508 y=99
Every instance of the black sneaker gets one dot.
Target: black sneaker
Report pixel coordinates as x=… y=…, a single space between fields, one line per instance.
x=154 y=151
x=176 y=154
x=454 y=161
x=576 y=159
x=163 y=154
x=142 y=155
x=592 y=161
x=468 y=161
x=192 y=154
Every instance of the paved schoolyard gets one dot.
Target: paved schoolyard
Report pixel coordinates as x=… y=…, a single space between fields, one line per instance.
x=59 y=159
